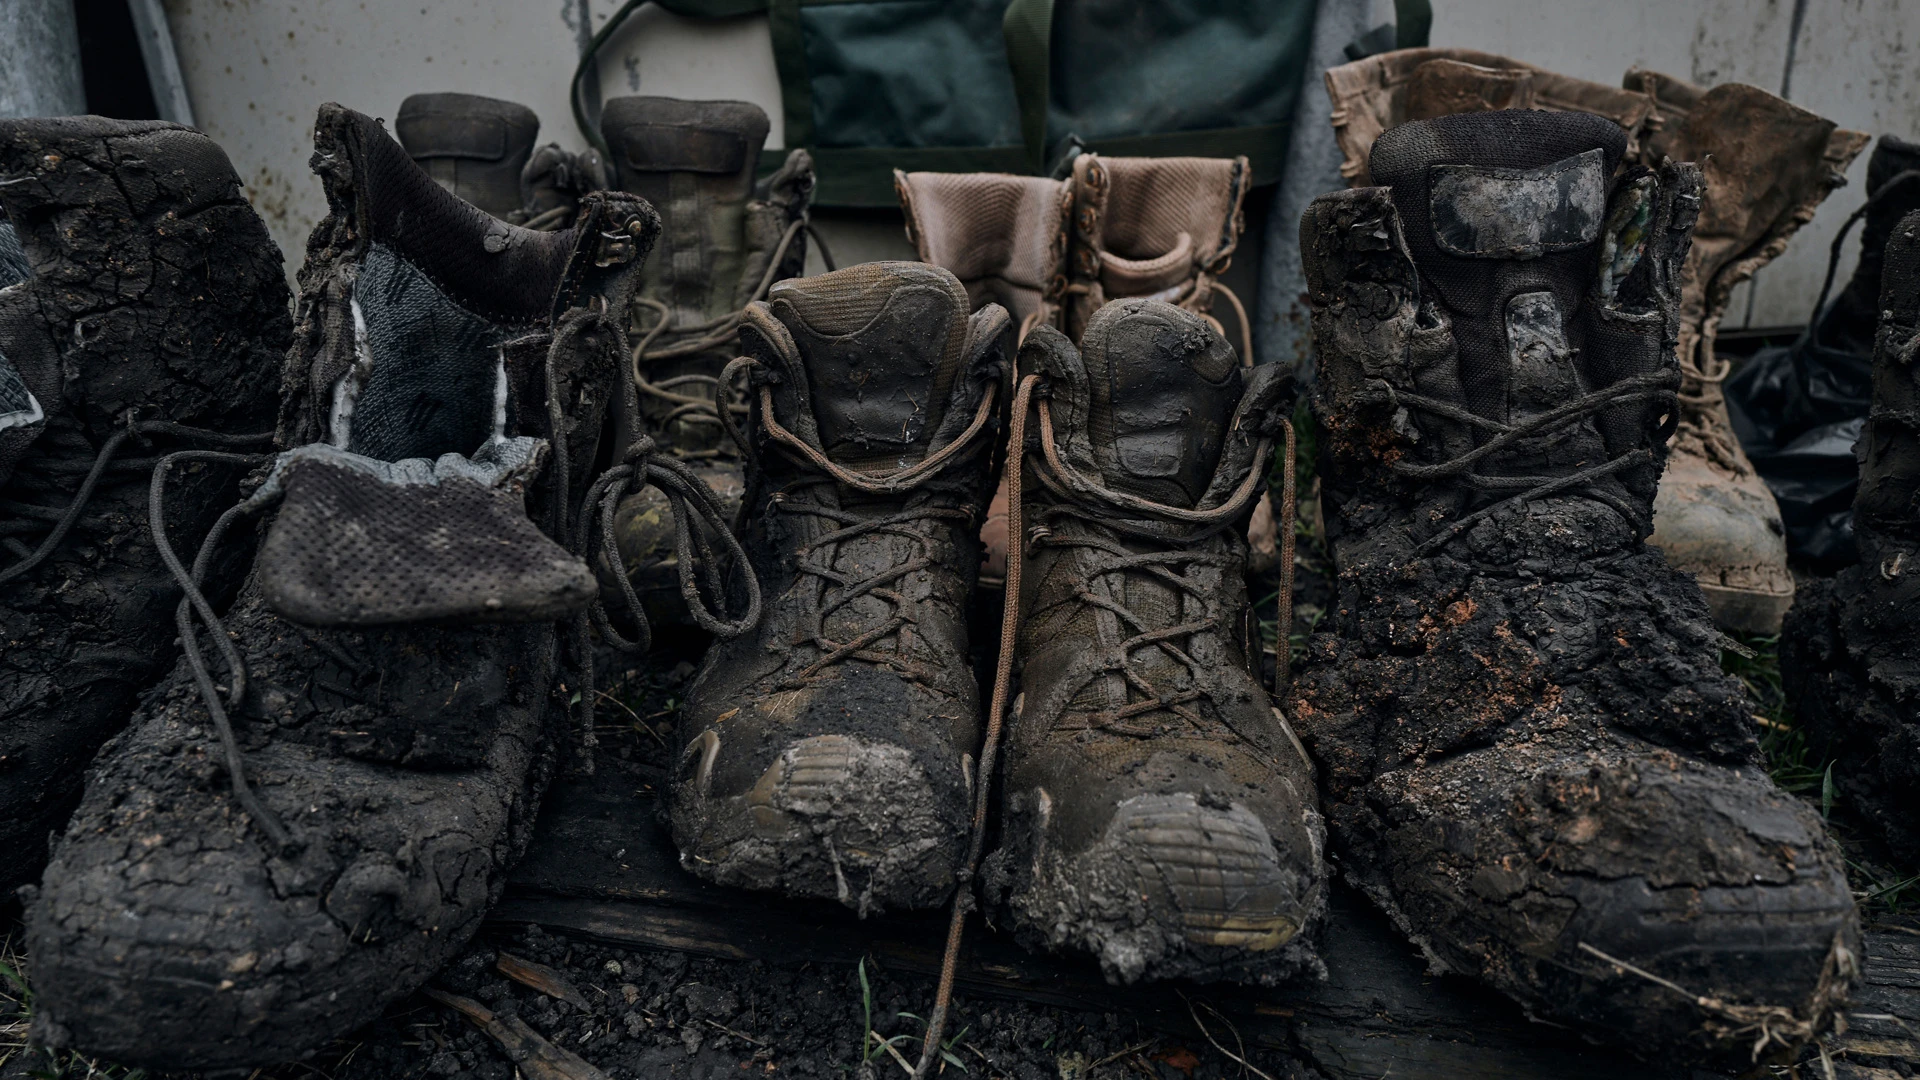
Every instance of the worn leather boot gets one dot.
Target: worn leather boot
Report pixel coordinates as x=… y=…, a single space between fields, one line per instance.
x=1532 y=761
x=1850 y=655
x=1158 y=814
x=831 y=752
x=1768 y=165
x=482 y=149
x=1005 y=238
x=1054 y=251
x=143 y=309
x=726 y=237
x=261 y=865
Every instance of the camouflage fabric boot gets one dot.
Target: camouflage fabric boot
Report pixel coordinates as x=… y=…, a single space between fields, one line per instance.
x=831 y=752
x=143 y=309
x=1768 y=165
x=1850 y=656
x=1532 y=761
x=261 y=865
x=482 y=149
x=1158 y=814
x=726 y=236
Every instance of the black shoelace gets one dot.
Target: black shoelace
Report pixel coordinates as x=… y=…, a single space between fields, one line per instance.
x=1661 y=384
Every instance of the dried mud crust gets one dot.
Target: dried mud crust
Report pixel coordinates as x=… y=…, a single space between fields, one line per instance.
x=1528 y=747
x=407 y=765
x=158 y=292
x=1853 y=716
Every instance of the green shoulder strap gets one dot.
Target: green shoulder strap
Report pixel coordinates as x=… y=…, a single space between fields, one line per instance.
x=1413 y=23
x=1028 y=26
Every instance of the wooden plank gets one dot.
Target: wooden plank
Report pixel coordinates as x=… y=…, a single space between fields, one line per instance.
x=603 y=867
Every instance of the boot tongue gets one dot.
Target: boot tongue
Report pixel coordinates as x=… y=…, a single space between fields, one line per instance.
x=1162 y=386
x=1504 y=212
x=881 y=344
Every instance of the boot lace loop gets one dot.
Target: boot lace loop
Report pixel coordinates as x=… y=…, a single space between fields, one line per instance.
x=815 y=496
x=1647 y=386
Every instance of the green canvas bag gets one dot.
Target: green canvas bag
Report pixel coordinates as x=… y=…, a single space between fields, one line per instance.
x=869 y=86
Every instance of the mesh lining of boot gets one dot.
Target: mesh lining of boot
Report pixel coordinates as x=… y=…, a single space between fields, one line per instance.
x=13 y=258
x=445 y=533
x=1476 y=290
x=847 y=309
x=18 y=407
x=1003 y=236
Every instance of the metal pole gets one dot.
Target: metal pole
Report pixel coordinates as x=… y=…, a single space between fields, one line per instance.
x=40 y=59
x=163 y=64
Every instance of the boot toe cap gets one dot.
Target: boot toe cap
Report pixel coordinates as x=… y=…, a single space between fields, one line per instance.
x=834 y=816
x=1176 y=886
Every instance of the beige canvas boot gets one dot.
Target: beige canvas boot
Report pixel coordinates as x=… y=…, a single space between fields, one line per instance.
x=1005 y=238
x=1166 y=229
x=1159 y=227
x=1369 y=96
x=1768 y=164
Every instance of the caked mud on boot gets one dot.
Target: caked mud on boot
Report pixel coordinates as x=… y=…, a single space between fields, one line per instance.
x=1531 y=759
x=1767 y=165
x=1158 y=814
x=725 y=237
x=143 y=309
x=482 y=149
x=261 y=865
x=831 y=753
x=1850 y=655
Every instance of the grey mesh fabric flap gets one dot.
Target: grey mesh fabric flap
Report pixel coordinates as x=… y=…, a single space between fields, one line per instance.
x=1492 y=213
x=17 y=405
x=363 y=542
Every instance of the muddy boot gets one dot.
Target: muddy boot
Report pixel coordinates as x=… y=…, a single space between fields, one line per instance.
x=1158 y=814
x=1851 y=323
x=1767 y=166
x=1850 y=655
x=259 y=866
x=1005 y=238
x=831 y=753
x=1531 y=759
x=143 y=309
x=1164 y=228
x=724 y=240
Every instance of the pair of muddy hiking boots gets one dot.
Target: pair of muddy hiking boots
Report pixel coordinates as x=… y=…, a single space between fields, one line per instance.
x=327 y=573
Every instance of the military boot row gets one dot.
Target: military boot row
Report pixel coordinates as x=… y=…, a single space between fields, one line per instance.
x=1512 y=732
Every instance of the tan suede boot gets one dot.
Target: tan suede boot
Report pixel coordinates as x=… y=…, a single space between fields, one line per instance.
x=1164 y=228
x=1768 y=165
x=1005 y=238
